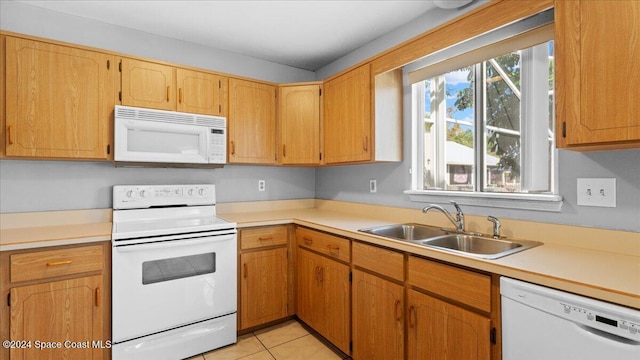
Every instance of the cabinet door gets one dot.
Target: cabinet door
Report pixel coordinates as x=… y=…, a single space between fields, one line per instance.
x=378 y=318
x=595 y=54
x=300 y=124
x=323 y=297
x=263 y=287
x=201 y=93
x=440 y=331
x=148 y=85
x=252 y=122
x=57 y=312
x=347 y=117
x=59 y=100
x=334 y=279
x=309 y=291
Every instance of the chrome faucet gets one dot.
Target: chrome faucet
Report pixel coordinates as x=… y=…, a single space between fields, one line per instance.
x=496 y=226
x=458 y=221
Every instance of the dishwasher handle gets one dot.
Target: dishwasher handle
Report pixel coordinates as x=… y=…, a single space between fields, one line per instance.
x=608 y=335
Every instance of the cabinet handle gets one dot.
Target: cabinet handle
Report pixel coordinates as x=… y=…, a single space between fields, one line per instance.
x=168 y=92
x=265 y=238
x=307 y=241
x=97 y=297
x=58 y=263
x=334 y=250
x=317 y=269
x=10 y=135
x=398 y=310
x=412 y=317
x=284 y=150
x=365 y=144
x=233 y=148
x=179 y=95
x=245 y=270
x=321 y=274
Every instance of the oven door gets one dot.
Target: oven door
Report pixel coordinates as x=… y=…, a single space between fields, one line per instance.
x=155 y=141
x=163 y=285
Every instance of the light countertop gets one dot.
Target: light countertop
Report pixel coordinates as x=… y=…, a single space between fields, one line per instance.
x=603 y=264
x=608 y=276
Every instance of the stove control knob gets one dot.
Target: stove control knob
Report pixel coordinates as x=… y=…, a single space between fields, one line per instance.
x=130 y=193
x=142 y=193
x=190 y=192
x=201 y=192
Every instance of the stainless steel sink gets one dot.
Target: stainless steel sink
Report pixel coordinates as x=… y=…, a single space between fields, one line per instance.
x=478 y=246
x=463 y=244
x=407 y=232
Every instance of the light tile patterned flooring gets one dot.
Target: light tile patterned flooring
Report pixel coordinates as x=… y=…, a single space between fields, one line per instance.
x=286 y=341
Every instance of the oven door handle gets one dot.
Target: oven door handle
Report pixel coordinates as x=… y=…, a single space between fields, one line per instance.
x=172 y=244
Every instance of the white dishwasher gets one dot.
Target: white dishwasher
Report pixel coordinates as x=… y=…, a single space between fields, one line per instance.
x=540 y=323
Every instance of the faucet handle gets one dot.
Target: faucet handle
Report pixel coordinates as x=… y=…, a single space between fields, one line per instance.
x=496 y=226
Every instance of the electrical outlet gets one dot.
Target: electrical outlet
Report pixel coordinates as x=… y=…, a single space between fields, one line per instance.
x=262 y=185
x=373 y=186
x=597 y=192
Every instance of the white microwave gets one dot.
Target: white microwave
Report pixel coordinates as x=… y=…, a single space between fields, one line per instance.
x=157 y=136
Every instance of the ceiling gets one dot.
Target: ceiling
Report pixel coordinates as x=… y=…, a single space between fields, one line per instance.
x=306 y=34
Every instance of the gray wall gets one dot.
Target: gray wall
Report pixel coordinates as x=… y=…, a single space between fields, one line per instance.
x=62 y=185
x=65 y=185
x=351 y=182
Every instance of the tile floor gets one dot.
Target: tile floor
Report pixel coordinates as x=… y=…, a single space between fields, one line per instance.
x=286 y=341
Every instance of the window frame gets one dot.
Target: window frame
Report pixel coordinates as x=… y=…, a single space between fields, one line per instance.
x=521 y=200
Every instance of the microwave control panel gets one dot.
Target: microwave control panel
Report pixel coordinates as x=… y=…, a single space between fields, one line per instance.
x=217 y=146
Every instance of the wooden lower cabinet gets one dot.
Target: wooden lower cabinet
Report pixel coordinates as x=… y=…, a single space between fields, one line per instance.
x=378 y=318
x=59 y=302
x=263 y=287
x=323 y=297
x=438 y=330
x=67 y=314
x=264 y=276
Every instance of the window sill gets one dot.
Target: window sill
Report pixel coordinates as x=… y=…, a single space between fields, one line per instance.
x=537 y=202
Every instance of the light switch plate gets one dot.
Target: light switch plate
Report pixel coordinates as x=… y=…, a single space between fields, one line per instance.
x=599 y=192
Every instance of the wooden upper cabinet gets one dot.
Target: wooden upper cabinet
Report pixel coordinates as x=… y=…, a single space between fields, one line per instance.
x=347 y=117
x=147 y=84
x=201 y=93
x=596 y=71
x=59 y=100
x=252 y=122
x=299 y=112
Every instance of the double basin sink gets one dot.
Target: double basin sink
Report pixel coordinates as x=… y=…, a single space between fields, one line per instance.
x=460 y=243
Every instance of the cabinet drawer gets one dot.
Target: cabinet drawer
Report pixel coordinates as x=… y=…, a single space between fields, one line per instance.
x=386 y=262
x=263 y=237
x=51 y=263
x=332 y=246
x=461 y=285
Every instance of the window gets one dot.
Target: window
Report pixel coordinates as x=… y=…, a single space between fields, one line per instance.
x=484 y=119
